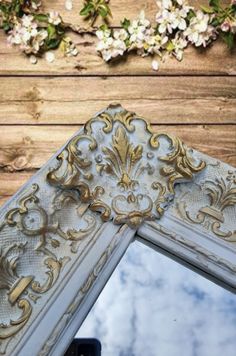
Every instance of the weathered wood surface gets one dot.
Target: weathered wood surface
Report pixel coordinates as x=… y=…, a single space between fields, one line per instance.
x=216 y=60
x=120 y=9
x=42 y=105
x=28 y=147
x=163 y=100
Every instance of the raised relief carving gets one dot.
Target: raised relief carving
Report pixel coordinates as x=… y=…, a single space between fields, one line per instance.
x=44 y=229
x=122 y=168
x=66 y=317
x=15 y=286
x=221 y=194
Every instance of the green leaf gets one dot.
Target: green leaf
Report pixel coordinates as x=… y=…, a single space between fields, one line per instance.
x=51 y=29
x=60 y=30
x=4 y=8
x=228 y=38
x=6 y=27
x=103 y=27
x=87 y=9
x=103 y=11
x=125 y=24
x=215 y=4
x=207 y=10
x=216 y=21
x=53 y=43
x=170 y=47
x=41 y=17
x=191 y=14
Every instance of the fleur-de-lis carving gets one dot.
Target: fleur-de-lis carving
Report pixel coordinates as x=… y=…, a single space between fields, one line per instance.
x=121 y=159
x=117 y=153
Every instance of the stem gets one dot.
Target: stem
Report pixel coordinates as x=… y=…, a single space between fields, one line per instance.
x=78 y=29
x=93 y=19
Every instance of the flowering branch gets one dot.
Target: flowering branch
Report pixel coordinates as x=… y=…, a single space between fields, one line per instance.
x=177 y=25
x=94 y=8
x=37 y=33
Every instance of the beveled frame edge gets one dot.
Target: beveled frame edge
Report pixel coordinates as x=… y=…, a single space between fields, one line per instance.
x=53 y=334
x=126 y=237
x=187 y=245
x=179 y=243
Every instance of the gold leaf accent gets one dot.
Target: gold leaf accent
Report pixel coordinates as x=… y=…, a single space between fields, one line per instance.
x=222 y=195
x=7 y=331
x=115 y=158
x=122 y=157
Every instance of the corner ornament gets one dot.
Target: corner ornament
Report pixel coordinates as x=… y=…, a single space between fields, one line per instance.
x=122 y=168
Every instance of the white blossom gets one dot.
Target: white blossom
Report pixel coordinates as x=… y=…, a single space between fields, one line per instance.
x=172 y=15
x=68 y=5
x=225 y=26
x=15 y=36
x=38 y=41
x=121 y=35
x=50 y=57
x=138 y=28
x=33 y=59
x=174 y=30
x=26 y=34
x=164 y=21
x=177 y=18
x=199 y=32
x=36 y=4
x=69 y=48
x=229 y=25
x=165 y=4
x=54 y=18
x=179 y=43
x=29 y=28
x=155 y=65
x=153 y=44
x=111 y=46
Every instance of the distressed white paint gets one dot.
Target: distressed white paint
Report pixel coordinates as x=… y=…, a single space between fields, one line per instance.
x=59 y=312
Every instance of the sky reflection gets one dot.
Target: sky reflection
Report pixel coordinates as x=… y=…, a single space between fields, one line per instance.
x=153 y=306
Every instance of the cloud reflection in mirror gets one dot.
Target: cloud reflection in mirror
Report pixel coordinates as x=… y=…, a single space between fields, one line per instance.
x=153 y=306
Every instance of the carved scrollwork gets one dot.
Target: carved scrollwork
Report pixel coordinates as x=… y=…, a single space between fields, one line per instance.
x=123 y=169
x=222 y=195
x=15 y=287
x=45 y=227
x=7 y=331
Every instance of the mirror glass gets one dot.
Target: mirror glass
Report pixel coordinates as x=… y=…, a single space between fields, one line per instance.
x=154 y=306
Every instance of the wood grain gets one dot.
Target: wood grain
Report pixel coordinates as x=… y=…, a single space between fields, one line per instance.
x=215 y=60
x=29 y=147
x=42 y=105
x=11 y=182
x=120 y=9
x=161 y=100
x=26 y=149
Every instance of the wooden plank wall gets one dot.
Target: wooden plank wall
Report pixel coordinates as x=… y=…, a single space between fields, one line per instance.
x=42 y=105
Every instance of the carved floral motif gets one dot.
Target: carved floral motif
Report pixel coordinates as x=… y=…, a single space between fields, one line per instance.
x=33 y=221
x=122 y=169
x=222 y=195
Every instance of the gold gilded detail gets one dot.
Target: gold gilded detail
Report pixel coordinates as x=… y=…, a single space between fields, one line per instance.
x=10 y=281
x=34 y=222
x=222 y=195
x=118 y=164
x=7 y=331
x=121 y=158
